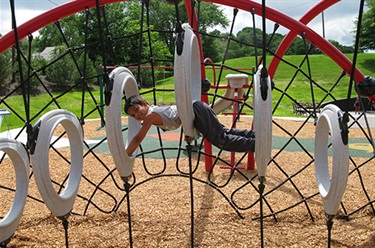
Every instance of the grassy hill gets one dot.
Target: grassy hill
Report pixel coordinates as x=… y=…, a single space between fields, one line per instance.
x=289 y=85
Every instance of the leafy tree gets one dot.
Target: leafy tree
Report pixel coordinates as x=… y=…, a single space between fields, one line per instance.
x=163 y=17
x=342 y=48
x=124 y=44
x=367 y=38
x=246 y=37
x=64 y=72
x=72 y=27
x=12 y=67
x=298 y=47
x=212 y=46
x=126 y=19
x=275 y=42
x=5 y=69
x=120 y=30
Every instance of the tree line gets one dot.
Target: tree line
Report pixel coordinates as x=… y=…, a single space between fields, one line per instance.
x=126 y=45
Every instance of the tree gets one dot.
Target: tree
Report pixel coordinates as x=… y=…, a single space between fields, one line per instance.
x=74 y=30
x=64 y=72
x=127 y=18
x=72 y=27
x=212 y=46
x=342 y=48
x=275 y=42
x=163 y=17
x=367 y=38
x=124 y=30
x=247 y=37
x=5 y=69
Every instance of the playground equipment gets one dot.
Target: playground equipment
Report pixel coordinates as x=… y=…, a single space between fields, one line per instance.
x=234 y=92
x=123 y=81
x=331 y=189
x=295 y=27
x=5 y=115
x=59 y=204
x=187 y=83
x=331 y=124
x=20 y=159
x=187 y=79
x=262 y=121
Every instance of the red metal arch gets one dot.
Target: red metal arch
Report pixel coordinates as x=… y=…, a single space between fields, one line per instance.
x=293 y=25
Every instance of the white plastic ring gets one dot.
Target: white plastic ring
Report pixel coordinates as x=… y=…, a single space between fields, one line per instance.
x=123 y=80
x=59 y=204
x=20 y=159
x=187 y=79
x=262 y=124
x=331 y=189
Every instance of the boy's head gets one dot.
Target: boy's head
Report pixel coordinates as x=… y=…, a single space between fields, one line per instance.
x=131 y=101
x=136 y=107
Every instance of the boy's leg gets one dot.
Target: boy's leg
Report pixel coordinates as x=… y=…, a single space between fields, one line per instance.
x=241 y=132
x=235 y=143
x=207 y=123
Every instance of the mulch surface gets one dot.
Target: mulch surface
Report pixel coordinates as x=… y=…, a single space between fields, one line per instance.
x=161 y=207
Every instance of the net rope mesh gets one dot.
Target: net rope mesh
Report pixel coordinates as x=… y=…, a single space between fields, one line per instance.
x=106 y=192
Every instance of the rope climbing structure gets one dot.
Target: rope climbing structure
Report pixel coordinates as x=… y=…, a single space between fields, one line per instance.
x=93 y=174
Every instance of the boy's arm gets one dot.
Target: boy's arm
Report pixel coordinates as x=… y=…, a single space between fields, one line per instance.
x=138 y=138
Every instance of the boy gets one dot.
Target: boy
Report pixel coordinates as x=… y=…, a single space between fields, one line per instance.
x=205 y=122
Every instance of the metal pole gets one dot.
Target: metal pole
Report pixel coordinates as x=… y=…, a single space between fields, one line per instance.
x=323 y=26
x=100 y=78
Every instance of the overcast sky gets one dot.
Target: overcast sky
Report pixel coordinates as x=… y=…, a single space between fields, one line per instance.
x=338 y=20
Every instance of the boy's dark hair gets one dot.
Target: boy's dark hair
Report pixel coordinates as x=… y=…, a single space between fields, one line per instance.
x=131 y=101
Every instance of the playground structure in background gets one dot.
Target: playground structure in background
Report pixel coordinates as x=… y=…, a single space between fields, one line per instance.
x=235 y=92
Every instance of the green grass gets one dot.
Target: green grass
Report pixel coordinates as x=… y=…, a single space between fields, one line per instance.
x=71 y=101
x=323 y=70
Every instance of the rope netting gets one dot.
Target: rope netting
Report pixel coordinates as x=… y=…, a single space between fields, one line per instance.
x=107 y=193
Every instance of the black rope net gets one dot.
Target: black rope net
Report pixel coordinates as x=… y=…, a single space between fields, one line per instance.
x=292 y=155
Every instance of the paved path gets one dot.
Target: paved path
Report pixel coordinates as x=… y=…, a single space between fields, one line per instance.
x=362 y=120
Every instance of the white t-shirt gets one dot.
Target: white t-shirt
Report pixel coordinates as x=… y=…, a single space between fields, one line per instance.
x=169 y=115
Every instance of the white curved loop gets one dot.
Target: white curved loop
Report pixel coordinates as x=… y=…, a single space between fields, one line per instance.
x=59 y=204
x=123 y=80
x=187 y=79
x=20 y=159
x=331 y=189
x=262 y=124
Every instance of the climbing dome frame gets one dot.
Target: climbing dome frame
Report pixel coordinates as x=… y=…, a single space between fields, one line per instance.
x=177 y=195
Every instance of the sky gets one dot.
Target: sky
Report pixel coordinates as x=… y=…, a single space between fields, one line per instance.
x=338 y=20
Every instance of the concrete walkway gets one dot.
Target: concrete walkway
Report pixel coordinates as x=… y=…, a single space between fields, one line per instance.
x=362 y=120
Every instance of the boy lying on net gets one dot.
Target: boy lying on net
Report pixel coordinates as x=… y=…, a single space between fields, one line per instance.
x=205 y=122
